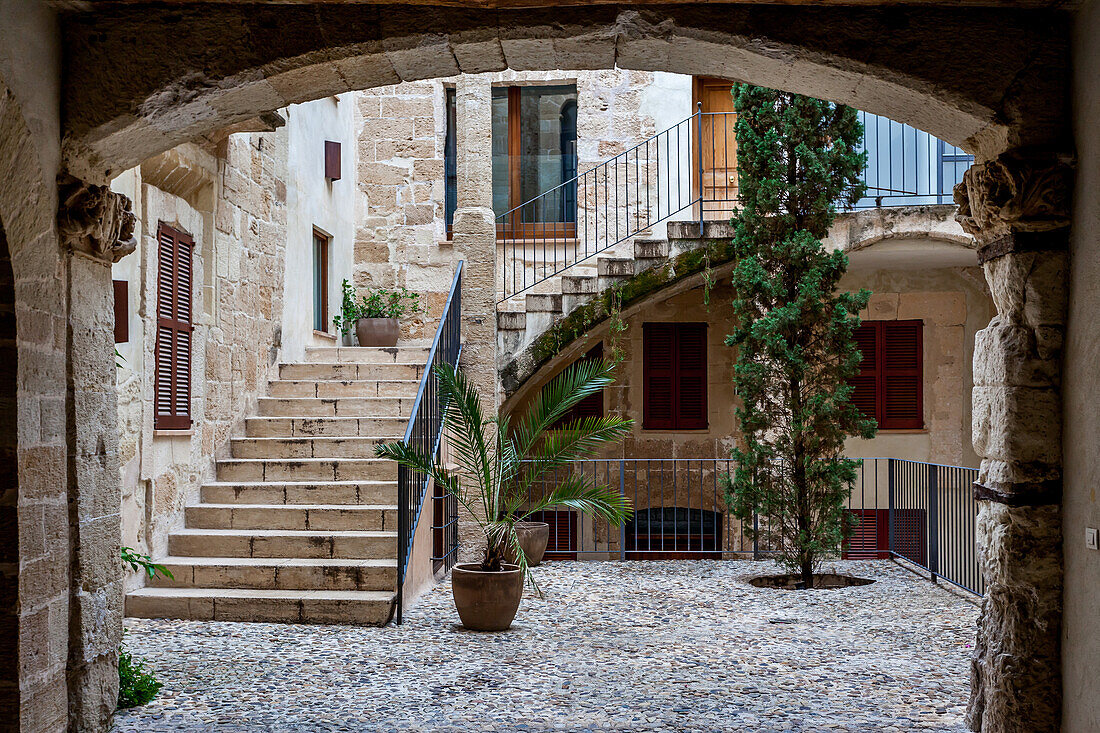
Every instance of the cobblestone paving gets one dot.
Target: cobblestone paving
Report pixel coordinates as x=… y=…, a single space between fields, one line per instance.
x=614 y=646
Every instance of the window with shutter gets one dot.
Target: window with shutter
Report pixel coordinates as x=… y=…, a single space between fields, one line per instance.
x=674 y=376
x=889 y=386
x=332 y=160
x=122 y=312
x=172 y=382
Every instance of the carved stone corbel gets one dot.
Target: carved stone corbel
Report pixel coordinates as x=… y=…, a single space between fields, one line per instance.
x=1020 y=202
x=94 y=220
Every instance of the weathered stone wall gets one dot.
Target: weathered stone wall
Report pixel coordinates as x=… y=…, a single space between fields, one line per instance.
x=231 y=200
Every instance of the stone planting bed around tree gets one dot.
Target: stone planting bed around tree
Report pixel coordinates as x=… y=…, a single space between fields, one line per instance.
x=613 y=646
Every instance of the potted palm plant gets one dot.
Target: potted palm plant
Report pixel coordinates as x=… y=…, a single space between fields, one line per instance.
x=496 y=465
x=375 y=316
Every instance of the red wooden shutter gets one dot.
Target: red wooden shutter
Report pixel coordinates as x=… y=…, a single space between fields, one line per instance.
x=590 y=406
x=122 y=312
x=691 y=376
x=172 y=381
x=332 y=160
x=866 y=393
x=658 y=376
x=901 y=377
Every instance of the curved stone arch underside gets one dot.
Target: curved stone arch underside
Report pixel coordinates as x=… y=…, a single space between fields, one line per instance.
x=141 y=80
x=931 y=227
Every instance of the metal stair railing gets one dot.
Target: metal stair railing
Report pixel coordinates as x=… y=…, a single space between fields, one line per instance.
x=423 y=434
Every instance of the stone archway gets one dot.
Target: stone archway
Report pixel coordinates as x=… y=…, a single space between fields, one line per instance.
x=167 y=84
x=140 y=80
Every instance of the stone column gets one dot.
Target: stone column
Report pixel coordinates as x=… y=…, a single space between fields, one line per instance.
x=1018 y=209
x=96 y=228
x=475 y=242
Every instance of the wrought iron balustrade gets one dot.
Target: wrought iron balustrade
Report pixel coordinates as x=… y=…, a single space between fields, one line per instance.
x=423 y=434
x=689 y=172
x=921 y=513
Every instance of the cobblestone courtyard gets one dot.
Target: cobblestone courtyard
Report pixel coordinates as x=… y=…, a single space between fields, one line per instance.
x=622 y=646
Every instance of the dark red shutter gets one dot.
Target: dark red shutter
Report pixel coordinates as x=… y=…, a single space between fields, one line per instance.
x=172 y=381
x=658 y=376
x=866 y=393
x=122 y=312
x=691 y=376
x=590 y=406
x=674 y=376
x=901 y=378
x=332 y=160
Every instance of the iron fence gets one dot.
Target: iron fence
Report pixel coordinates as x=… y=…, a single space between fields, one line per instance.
x=423 y=434
x=920 y=512
x=689 y=172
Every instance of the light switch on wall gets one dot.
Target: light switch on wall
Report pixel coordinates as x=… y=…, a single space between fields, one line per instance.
x=1092 y=538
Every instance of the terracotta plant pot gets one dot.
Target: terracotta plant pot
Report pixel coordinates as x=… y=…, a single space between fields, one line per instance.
x=486 y=601
x=533 y=537
x=377 y=331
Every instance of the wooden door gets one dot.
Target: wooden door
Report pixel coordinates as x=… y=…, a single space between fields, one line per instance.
x=719 y=147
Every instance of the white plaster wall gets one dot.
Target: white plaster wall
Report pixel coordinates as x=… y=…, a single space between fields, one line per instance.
x=667 y=100
x=314 y=201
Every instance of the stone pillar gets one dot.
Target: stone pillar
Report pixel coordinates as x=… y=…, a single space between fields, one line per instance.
x=1018 y=209
x=475 y=242
x=96 y=229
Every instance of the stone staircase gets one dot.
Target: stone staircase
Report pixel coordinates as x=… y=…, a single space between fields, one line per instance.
x=300 y=523
x=523 y=318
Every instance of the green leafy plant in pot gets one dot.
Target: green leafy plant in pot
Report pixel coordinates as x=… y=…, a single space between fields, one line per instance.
x=375 y=316
x=497 y=464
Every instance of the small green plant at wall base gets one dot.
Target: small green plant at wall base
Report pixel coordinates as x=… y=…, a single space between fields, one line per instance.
x=136 y=683
x=136 y=561
x=377 y=303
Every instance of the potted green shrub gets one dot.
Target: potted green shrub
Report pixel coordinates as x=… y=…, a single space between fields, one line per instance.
x=375 y=316
x=496 y=464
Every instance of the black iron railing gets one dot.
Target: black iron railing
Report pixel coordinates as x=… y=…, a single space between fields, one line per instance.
x=919 y=512
x=423 y=434
x=689 y=171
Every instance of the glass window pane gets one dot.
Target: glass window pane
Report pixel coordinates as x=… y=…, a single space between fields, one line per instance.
x=450 y=165
x=500 y=150
x=548 y=151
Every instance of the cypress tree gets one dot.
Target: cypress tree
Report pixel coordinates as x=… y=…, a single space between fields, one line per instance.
x=797 y=159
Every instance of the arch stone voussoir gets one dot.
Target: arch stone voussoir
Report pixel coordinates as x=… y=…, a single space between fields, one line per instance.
x=144 y=79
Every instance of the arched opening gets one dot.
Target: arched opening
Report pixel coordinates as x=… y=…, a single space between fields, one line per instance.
x=9 y=495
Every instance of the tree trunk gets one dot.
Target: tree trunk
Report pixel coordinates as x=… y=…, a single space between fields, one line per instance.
x=807 y=574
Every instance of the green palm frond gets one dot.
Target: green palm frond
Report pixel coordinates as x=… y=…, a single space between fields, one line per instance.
x=495 y=465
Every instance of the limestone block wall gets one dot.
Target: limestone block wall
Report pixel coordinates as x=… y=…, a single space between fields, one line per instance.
x=401 y=237
x=236 y=213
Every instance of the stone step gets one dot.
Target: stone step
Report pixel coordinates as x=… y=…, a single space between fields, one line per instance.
x=578 y=285
x=327 y=447
x=570 y=303
x=306 y=469
x=368 y=355
x=300 y=492
x=344 y=388
x=312 y=517
x=297 y=407
x=544 y=303
x=348 y=544
x=261 y=573
x=651 y=249
x=512 y=321
x=362 y=607
x=322 y=427
x=350 y=371
x=615 y=267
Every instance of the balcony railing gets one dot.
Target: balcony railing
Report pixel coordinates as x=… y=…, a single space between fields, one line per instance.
x=921 y=513
x=689 y=172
